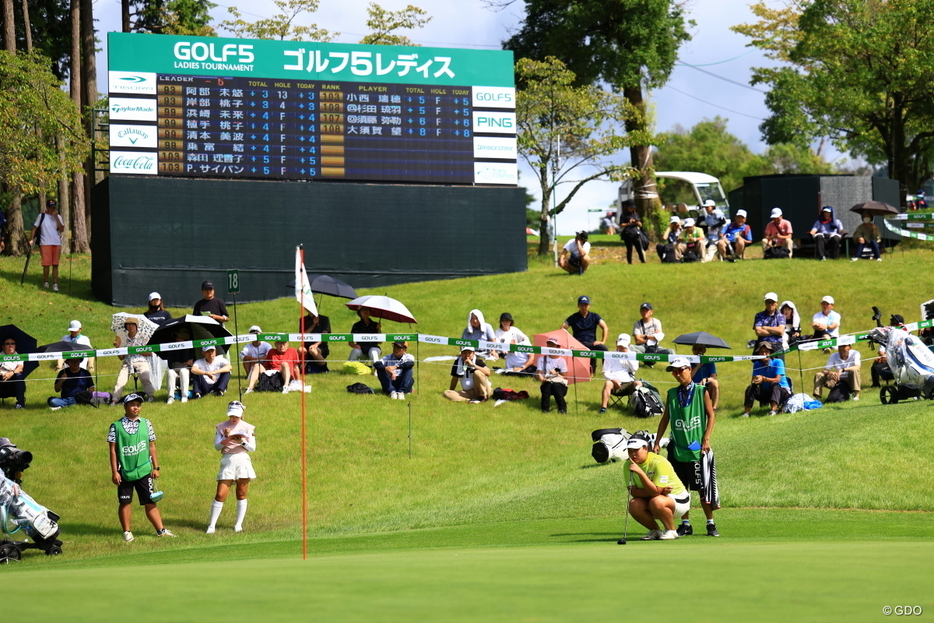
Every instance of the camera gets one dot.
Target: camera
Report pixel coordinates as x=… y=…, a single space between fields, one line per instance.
x=13 y=461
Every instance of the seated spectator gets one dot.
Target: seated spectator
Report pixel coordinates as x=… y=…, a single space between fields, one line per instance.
x=631 y=231
x=778 y=233
x=138 y=363
x=365 y=350
x=842 y=366
x=867 y=235
x=473 y=376
x=769 y=383
x=693 y=240
x=792 y=324
x=156 y=311
x=733 y=239
x=769 y=324
x=12 y=380
x=509 y=333
x=552 y=371
x=284 y=360
x=880 y=370
x=620 y=374
x=394 y=371
x=179 y=364
x=575 y=256
x=826 y=322
x=315 y=352
x=211 y=373
x=70 y=382
x=671 y=248
x=827 y=232
x=478 y=329
x=647 y=333
x=74 y=336
x=584 y=324
x=715 y=221
x=255 y=358
x=706 y=374
x=210 y=306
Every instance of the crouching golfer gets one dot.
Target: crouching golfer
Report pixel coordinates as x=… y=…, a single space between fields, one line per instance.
x=657 y=494
x=134 y=465
x=235 y=439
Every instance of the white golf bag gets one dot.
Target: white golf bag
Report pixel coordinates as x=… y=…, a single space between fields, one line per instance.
x=609 y=444
x=910 y=360
x=18 y=509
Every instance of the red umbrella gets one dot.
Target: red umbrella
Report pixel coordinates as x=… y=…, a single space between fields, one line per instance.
x=578 y=367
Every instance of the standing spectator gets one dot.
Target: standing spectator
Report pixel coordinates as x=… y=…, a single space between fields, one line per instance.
x=368 y=350
x=315 y=352
x=715 y=222
x=647 y=333
x=179 y=369
x=690 y=411
x=827 y=232
x=74 y=336
x=138 y=363
x=552 y=373
x=49 y=226
x=210 y=306
x=706 y=374
x=12 y=380
x=826 y=322
x=867 y=235
x=609 y=227
x=671 y=248
x=769 y=324
x=394 y=371
x=284 y=360
x=769 y=382
x=70 y=382
x=255 y=358
x=778 y=233
x=508 y=333
x=842 y=366
x=620 y=374
x=156 y=311
x=473 y=376
x=575 y=256
x=134 y=464
x=584 y=324
x=211 y=373
x=631 y=231
x=234 y=439
x=479 y=329
x=734 y=238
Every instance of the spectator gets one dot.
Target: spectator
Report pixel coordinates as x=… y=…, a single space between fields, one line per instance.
x=880 y=370
x=508 y=333
x=179 y=364
x=867 y=235
x=842 y=366
x=473 y=376
x=769 y=382
x=284 y=360
x=769 y=324
x=12 y=379
x=671 y=248
x=706 y=374
x=735 y=236
x=584 y=324
x=74 y=336
x=210 y=306
x=631 y=231
x=620 y=374
x=609 y=227
x=826 y=322
x=49 y=226
x=210 y=374
x=2 y=231
x=647 y=333
x=366 y=324
x=575 y=257
x=138 y=363
x=156 y=311
x=827 y=232
x=778 y=233
x=255 y=358
x=70 y=382
x=478 y=329
x=792 y=324
x=551 y=372
x=693 y=240
x=657 y=493
x=715 y=222
x=235 y=439
x=394 y=371
x=315 y=352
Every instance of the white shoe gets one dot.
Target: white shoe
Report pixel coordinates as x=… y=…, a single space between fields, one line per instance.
x=55 y=287
x=170 y=400
x=498 y=403
x=238 y=528
x=45 y=284
x=184 y=399
x=668 y=535
x=855 y=259
x=285 y=390
x=54 y=408
x=878 y=259
x=856 y=398
x=653 y=535
x=127 y=536
x=210 y=530
x=248 y=391
x=165 y=532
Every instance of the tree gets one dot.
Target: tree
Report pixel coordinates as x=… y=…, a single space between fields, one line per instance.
x=169 y=17
x=562 y=127
x=279 y=26
x=629 y=44
x=856 y=71
x=383 y=24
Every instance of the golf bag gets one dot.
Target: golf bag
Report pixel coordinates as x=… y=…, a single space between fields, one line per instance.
x=646 y=401
x=609 y=444
x=19 y=512
x=910 y=360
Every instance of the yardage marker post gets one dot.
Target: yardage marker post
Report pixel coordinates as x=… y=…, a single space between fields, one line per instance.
x=233 y=287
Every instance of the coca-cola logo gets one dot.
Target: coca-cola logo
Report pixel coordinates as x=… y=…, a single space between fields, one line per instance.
x=137 y=163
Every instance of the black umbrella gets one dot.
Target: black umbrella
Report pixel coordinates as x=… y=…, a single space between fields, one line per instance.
x=190 y=327
x=874 y=207
x=701 y=338
x=324 y=284
x=25 y=343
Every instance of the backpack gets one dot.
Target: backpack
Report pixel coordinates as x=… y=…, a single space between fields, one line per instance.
x=839 y=392
x=646 y=402
x=776 y=253
x=509 y=394
x=689 y=257
x=360 y=388
x=270 y=382
x=667 y=253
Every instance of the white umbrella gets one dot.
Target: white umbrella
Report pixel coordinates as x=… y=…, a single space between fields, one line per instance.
x=383 y=307
x=145 y=326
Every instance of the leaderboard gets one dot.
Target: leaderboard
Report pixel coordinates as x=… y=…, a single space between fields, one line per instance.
x=245 y=126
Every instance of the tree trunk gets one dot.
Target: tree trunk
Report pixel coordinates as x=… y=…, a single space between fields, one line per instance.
x=9 y=27
x=26 y=26
x=64 y=194
x=79 y=224
x=544 y=239
x=645 y=193
x=125 y=15
x=14 y=214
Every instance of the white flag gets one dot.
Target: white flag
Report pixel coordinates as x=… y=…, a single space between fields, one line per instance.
x=303 y=292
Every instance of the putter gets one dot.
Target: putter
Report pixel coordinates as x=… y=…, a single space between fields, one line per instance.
x=622 y=541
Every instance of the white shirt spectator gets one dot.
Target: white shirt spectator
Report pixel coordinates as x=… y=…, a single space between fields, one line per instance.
x=203 y=365
x=835 y=361
x=571 y=247
x=620 y=370
x=827 y=320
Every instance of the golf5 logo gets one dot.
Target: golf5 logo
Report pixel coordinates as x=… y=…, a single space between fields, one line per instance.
x=687 y=425
x=433 y=339
x=134 y=450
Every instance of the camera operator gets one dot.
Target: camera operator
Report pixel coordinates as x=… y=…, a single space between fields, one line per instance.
x=13 y=461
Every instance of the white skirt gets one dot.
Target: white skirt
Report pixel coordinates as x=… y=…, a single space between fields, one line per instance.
x=236 y=467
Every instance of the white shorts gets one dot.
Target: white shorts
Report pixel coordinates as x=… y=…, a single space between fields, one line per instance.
x=236 y=467
x=683 y=506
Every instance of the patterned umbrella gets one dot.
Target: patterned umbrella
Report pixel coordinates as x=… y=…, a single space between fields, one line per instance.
x=145 y=326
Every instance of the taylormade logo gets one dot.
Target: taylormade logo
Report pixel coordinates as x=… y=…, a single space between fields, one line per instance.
x=118 y=109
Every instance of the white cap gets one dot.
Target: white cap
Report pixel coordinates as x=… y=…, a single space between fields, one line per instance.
x=741 y=213
x=209 y=347
x=689 y=222
x=75 y=325
x=674 y=219
x=255 y=329
x=776 y=212
x=623 y=340
x=770 y=296
x=710 y=203
x=827 y=299
x=155 y=295
x=677 y=363
x=235 y=408
x=634 y=443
